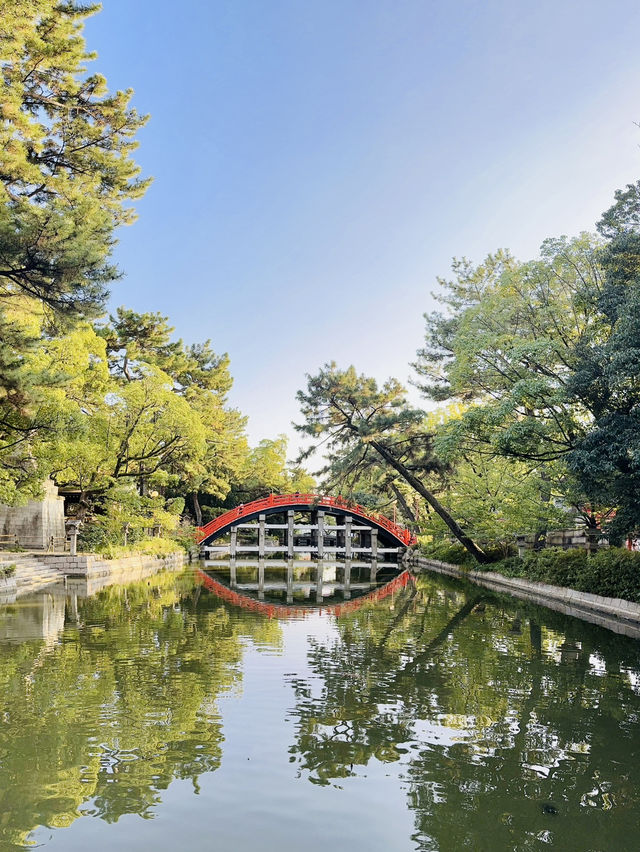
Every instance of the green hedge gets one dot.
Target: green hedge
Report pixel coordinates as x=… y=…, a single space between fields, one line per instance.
x=613 y=572
x=454 y=553
x=447 y=551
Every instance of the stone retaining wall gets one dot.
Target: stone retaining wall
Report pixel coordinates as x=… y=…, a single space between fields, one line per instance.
x=614 y=613
x=91 y=566
x=7 y=589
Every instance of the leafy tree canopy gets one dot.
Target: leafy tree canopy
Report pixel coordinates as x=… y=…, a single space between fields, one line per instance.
x=505 y=346
x=606 y=377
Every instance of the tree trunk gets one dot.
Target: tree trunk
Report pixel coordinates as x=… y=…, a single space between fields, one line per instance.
x=83 y=506
x=415 y=483
x=406 y=510
x=540 y=537
x=196 y=508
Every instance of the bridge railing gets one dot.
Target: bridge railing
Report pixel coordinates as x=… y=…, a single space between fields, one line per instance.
x=316 y=500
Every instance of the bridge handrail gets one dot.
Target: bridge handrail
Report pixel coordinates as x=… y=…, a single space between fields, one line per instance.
x=319 y=500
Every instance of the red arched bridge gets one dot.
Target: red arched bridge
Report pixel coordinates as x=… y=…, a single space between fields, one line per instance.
x=329 y=516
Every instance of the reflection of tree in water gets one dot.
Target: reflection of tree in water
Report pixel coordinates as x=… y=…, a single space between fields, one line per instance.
x=507 y=733
x=125 y=703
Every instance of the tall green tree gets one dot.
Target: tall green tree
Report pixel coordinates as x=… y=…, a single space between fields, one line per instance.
x=504 y=350
x=545 y=357
x=57 y=378
x=67 y=178
x=504 y=346
x=266 y=470
x=606 y=376
x=163 y=422
x=349 y=415
x=137 y=344
x=65 y=159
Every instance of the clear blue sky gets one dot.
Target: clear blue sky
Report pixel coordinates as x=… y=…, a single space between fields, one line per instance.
x=317 y=163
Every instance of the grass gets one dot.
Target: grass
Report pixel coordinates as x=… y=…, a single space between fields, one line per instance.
x=147 y=547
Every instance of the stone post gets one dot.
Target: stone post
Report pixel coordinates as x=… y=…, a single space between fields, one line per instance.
x=593 y=537
x=521 y=542
x=72 y=530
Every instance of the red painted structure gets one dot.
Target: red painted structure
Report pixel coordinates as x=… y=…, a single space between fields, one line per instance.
x=283 y=502
x=281 y=611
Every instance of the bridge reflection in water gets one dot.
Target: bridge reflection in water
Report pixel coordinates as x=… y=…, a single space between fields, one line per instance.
x=243 y=598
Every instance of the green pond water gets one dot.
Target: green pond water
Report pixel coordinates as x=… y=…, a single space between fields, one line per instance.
x=162 y=716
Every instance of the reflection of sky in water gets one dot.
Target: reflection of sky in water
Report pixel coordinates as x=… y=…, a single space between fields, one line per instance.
x=422 y=721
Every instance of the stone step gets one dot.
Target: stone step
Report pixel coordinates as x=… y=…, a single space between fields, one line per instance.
x=35 y=567
x=27 y=576
x=33 y=575
x=30 y=579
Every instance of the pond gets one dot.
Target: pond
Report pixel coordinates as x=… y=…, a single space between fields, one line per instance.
x=429 y=715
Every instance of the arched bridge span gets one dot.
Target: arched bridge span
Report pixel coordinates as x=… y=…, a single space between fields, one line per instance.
x=276 y=503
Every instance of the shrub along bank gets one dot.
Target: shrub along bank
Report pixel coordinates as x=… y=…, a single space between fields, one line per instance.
x=612 y=572
x=146 y=547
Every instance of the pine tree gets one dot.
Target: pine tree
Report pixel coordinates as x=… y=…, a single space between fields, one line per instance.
x=65 y=159
x=354 y=419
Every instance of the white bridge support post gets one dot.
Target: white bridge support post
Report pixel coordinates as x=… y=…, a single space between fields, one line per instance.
x=261 y=535
x=320 y=535
x=233 y=545
x=233 y=550
x=374 y=556
x=290 y=515
x=347 y=536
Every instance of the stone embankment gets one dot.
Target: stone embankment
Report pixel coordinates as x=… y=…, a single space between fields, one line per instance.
x=613 y=613
x=35 y=571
